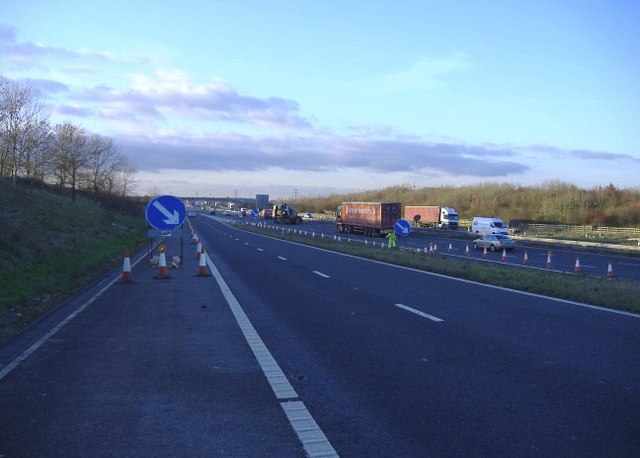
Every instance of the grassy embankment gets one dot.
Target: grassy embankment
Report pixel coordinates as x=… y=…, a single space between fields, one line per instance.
x=612 y=293
x=50 y=248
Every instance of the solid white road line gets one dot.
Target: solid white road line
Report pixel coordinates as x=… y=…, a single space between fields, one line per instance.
x=313 y=440
x=259 y=249
x=418 y=312
x=321 y=274
x=282 y=258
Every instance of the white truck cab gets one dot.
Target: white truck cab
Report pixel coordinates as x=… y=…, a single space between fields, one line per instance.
x=488 y=225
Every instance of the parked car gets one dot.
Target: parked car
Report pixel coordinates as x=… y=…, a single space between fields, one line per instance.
x=307 y=216
x=495 y=242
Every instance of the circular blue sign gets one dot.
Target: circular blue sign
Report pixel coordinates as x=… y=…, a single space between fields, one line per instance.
x=166 y=213
x=402 y=227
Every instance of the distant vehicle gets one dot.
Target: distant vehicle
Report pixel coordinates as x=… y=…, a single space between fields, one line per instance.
x=486 y=226
x=212 y=212
x=370 y=218
x=432 y=216
x=307 y=216
x=266 y=213
x=285 y=214
x=515 y=226
x=495 y=242
x=192 y=214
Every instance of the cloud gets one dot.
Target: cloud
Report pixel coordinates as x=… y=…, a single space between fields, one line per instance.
x=217 y=101
x=581 y=154
x=234 y=152
x=29 y=54
x=425 y=74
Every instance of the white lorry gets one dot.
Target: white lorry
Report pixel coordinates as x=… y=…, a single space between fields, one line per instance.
x=488 y=225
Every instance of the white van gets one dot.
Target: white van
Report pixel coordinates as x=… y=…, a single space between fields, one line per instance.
x=484 y=226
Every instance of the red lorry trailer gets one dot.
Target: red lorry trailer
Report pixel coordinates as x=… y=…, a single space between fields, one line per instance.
x=370 y=218
x=432 y=216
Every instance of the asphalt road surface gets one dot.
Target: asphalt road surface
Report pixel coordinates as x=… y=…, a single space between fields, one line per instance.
x=378 y=360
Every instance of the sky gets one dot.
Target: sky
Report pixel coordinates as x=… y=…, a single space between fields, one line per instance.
x=306 y=98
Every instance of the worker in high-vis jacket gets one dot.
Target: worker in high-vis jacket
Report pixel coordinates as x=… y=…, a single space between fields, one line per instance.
x=392 y=239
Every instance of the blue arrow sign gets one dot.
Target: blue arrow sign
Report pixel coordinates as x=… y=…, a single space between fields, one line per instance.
x=254 y=213
x=166 y=212
x=402 y=227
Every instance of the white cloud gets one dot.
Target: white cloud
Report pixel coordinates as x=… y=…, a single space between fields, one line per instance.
x=425 y=74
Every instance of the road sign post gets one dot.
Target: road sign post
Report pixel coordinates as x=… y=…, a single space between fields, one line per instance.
x=402 y=228
x=166 y=213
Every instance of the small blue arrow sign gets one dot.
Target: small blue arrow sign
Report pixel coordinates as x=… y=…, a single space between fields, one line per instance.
x=166 y=213
x=402 y=227
x=254 y=213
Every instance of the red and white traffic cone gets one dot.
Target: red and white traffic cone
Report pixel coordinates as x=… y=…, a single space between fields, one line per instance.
x=484 y=252
x=504 y=254
x=202 y=265
x=466 y=250
x=549 y=260
x=525 y=259
x=162 y=267
x=198 y=250
x=576 y=269
x=194 y=239
x=609 y=270
x=450 y=247
x=126 y=269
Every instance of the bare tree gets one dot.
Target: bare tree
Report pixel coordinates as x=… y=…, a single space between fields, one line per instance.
x=102 y=159
x=22 y=111
x=127 y=182
x=71 y=155
x=36 y=147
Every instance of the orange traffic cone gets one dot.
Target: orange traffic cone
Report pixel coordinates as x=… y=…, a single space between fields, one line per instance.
x=610 y=270
x=162 y=266
x=194 y=239
x=202 y=265
x=198 y=250
x=577 y=267
x=504 y=254
x=126 y=269
x=525 y=259
x=549 y=260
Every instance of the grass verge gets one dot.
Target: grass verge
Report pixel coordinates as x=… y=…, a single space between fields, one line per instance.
x=51 y=248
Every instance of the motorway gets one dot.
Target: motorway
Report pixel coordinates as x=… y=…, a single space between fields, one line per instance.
x=562 y=259
x=383 y=361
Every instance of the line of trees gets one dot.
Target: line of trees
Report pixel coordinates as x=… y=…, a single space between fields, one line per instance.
x=65 y=155
x=552 y=202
